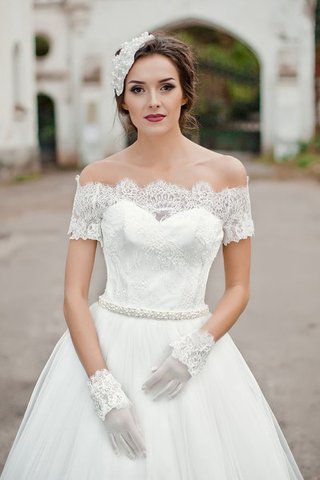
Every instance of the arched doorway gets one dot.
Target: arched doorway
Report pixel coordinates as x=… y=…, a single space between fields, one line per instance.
x=46 y=130
x=228 y=107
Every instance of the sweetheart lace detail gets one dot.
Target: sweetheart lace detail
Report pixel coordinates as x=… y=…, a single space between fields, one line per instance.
x=162 y=199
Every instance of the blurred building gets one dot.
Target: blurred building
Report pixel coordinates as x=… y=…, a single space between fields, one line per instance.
x=71 y=70
x=18 y=130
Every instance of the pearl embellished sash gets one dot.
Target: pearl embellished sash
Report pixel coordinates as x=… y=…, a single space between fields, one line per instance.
x=154 y=314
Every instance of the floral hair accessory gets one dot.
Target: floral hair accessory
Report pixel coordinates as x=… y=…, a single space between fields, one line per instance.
x=124 y=60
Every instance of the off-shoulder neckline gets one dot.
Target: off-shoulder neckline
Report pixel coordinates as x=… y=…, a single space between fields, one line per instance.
x=162 y=182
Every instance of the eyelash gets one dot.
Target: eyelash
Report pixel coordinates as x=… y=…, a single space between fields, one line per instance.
x=133 y=89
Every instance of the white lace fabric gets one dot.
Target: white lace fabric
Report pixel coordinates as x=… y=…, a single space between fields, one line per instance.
x=159 y=240
x=193 y=350
x=162 y=199
x=106 y=393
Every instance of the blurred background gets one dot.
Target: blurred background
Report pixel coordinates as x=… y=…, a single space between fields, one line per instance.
x=259 y=72
x=258 y=99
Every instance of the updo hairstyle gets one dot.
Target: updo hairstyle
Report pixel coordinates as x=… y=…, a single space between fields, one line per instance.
x=183 y=58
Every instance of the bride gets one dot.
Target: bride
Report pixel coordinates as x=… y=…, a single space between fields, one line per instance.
x=146 y=383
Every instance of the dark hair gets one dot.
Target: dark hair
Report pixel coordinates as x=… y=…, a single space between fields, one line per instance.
x=182 y=57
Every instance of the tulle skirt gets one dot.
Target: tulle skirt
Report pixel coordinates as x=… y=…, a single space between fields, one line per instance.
x=219 y=427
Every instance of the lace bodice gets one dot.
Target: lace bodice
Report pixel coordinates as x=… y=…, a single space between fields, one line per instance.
x=159 y=240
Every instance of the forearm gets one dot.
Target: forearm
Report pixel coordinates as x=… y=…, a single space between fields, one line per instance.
x=227 y=311
x=83 y=334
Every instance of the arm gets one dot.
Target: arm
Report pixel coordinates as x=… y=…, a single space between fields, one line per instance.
x=110 y=401
x=237 y=256
x=190 y=352
x=78 y=271
x=179 y=365
x=84 y=231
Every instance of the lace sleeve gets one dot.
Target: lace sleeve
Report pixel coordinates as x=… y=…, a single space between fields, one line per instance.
x=86 y=218
x=239 y=223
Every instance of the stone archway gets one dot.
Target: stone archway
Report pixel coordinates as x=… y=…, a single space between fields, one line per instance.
x=228 y=106
x=280 y=33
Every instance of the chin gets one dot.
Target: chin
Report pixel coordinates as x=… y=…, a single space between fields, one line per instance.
x=154 y=130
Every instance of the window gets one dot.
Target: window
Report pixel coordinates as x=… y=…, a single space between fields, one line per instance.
x=42 y=46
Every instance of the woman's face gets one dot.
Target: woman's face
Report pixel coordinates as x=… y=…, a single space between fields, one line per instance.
x=153 y=88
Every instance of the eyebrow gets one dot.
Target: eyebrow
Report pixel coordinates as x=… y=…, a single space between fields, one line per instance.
x=160 y=81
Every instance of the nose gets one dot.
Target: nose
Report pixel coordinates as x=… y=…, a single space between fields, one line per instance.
x=153 y=99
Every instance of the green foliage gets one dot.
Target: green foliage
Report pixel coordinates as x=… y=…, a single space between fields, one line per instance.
x=316 y=142
x=305 y=160
x=303 y=146
x=221 y=50
x=229 y=86
x=28 y=177
x=242 y=93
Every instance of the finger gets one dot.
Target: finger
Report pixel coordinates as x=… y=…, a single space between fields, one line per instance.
x=128 y=450
x=127 y=437
x=139 y=447
x=176 y=391
x=164 y=355
x=138 y=428
x=114 y=444
x=137 y=438
x=152 y=381
x=167 y=387
x=158 y=387
x=174 y=386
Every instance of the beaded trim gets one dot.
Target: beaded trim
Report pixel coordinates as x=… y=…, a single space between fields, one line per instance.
x=154 y=314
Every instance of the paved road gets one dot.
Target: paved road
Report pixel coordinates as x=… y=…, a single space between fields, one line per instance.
x=278 y=334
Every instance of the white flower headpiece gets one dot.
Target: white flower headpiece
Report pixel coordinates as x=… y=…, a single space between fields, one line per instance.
x=124 y=60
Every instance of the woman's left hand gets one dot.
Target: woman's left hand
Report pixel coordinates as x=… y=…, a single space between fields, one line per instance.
x=169 y=377
x=183 y=358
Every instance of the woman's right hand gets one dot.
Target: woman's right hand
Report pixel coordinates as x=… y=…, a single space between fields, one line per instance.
x=124 y=432
x=116 y=410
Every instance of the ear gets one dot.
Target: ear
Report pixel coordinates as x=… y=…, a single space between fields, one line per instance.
x=124 y=106
x=184 y=101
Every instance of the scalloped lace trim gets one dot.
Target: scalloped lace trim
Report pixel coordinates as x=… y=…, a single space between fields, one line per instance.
x=193 y=350
x=162 y=199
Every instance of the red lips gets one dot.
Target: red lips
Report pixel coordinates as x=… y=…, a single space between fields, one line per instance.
x=155 y=117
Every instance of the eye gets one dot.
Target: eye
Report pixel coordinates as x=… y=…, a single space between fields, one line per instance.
x=168 y=86
x=136 y=89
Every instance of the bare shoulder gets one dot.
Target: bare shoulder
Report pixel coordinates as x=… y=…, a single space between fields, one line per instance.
x=220 y=170
x=234 y=171
x=227 y=170
x=104 y=171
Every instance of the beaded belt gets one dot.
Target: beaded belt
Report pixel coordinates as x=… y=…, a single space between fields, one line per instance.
x=158 y=314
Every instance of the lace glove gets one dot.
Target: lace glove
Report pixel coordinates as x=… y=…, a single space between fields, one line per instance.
x=116 y=410
x=181 y=360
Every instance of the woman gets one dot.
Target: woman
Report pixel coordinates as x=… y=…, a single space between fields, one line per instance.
x=146 y=383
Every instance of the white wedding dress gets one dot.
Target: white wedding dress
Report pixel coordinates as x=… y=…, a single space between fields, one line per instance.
x=159 y=241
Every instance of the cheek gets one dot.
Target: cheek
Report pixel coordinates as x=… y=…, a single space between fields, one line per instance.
x=132 y=107
x=177 y=100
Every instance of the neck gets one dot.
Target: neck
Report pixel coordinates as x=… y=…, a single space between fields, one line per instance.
x=160 y=152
